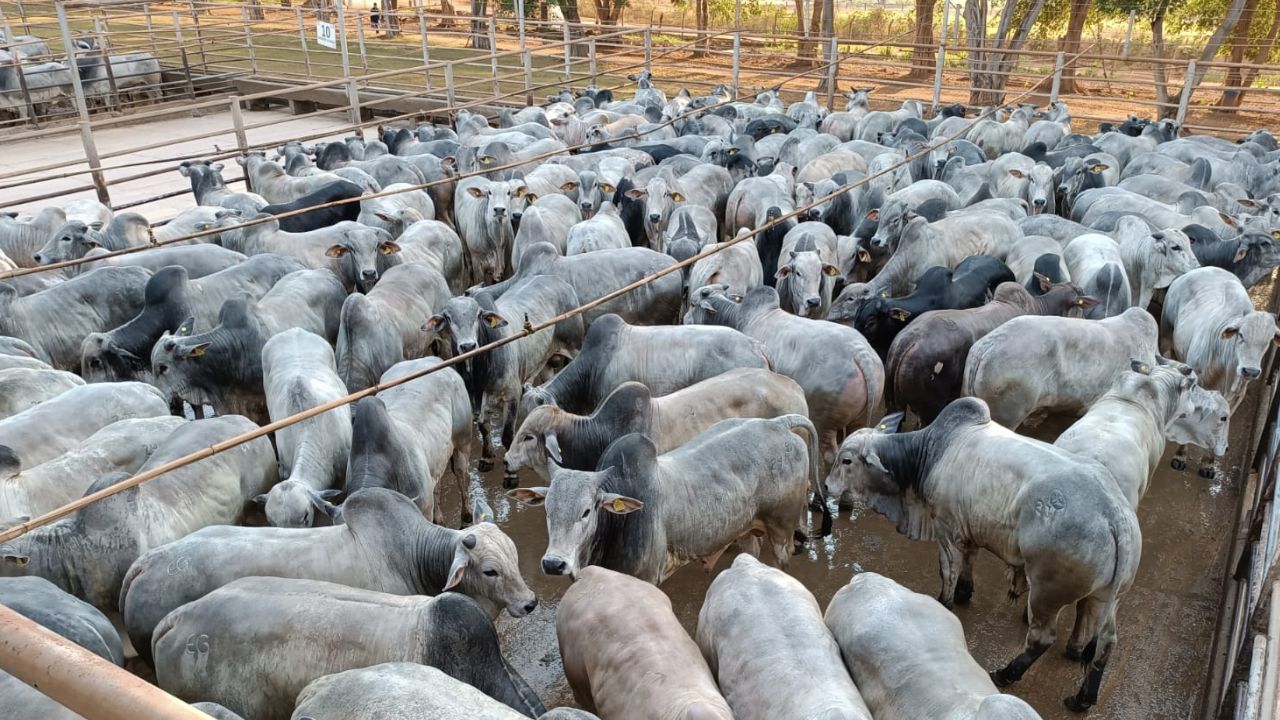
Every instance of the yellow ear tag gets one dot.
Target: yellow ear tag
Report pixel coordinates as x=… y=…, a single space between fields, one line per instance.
x=618 y=505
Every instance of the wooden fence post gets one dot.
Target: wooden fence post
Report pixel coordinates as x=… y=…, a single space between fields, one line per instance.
x=248 y=39
x=422 y=36
x=937 y=75
x=448 y=86
x=70 y=51
x=737 y=59
x=1057 y=77
x=364 y=59
x=146 y=13
x=591 y=51
x=195 y=17
x=833 y=64
x=16 y=61
x=567 y=44
x=648 y=50
x=95 y=165
x=302 y=40
x=112 y=85
x=527 y=57
x=1188 y=87
x=493 y=54
x=237 y=120
x=182 y=54
x=1128 y=35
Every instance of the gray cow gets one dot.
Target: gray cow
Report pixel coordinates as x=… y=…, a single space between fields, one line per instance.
x=1061 y=525
x=497 y=376
x=205 y=650
x=755 y=472
x=361 y=255
x=908 y=657
x=21 y=239
x=407 y=436
x=842 y=377
x=298 y=374
x=269 y=179
x=77 y=621
x=55 y=321
x=56 y=426
x=1036 y=362
x=406 y=691
x=384 y=326
x=577 y=441
x=600 y=624
x=22 y=388
x=75 y=238
x=597 y=274
x=119 y=447
x=386 y=545
x=484 y=210
x=1209 y=322
x=431 y=243
x=89 y=552
x=1126 y=430
x=757 y=628
x=664 y=358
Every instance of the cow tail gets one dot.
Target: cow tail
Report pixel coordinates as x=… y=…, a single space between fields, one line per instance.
x=1123 y=567
x=801 y=422
x=972 y=368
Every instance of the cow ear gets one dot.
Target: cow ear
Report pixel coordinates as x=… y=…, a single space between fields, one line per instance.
x=187 y=327
x=459 y=566
x=1276 y=339
x=435 y=323
x=520 y=191
x=552 y=444
x=196 y=351
x=873 y=215
x=260 y=499
x=389 y=248
x=1241 y=252
x=530 y=198
x=607 y=188
x=636 y=193
x=890 y=423
x=1230 y=221
x=1139 y=367
x=91 y=243
x=900 y=314
x=1229 y=332
x=532 y=497
x=1016 y=173
x=873 y=460
x=1086 y=301
x=864 y=255
x=619 y=504
x=493 y=319
x=184 y=170
x=336 y=251
x=677 y=197
x=216 y=167
x=386 y=217
x=783 y=271
x=830 y=270
x=1043 y=281
x=476 y=192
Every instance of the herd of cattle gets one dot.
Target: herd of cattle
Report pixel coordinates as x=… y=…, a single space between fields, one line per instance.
x=46 y=87
x=967 y=275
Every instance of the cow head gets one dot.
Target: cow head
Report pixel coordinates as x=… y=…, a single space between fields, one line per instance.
x=1250 y=336
x=293 y=504
x=574 y=503
x=536 y=444
x=858 y=468
x=361 y=255
x=808 y=282
x=463 y=321
x=71 y=241
x=485 y=566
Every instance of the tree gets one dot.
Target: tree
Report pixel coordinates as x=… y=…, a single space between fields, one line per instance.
x=1260 y=53
x=1071 y=44
x=922 y=53
x=803 y=49
x=608 y=11
x=479 y=28
x=991 y=59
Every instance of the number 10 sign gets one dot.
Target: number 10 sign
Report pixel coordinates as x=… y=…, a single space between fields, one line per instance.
x=326 y=35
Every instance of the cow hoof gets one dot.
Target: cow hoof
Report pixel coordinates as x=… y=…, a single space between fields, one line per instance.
x=1074 y=654
x=484 y=465
x=845 y=504
x=1076 y=705
x=816 y=504
x=510 y=482
x=948 y=604
x=1001 y=679
x=1178 y=463
x=1207 y=472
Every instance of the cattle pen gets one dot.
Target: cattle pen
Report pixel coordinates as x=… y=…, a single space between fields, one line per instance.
x=1201 y=633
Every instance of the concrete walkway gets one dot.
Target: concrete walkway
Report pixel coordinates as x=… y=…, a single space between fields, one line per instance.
x=66 y=150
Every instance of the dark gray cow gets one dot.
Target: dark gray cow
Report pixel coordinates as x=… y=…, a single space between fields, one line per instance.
x=89 y=552
x=77 y=621
x=970 y=483
x=171 y=297
x=755 y=472
x=75 y=238
x=664 y=358
x=385 y=545
x=205 y=650
x=56 y=321
x=384 y=327
x=757 y=627
x=21 y=239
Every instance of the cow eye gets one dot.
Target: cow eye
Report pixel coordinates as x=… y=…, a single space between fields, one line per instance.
x=846 y=461
x=585 y=513
x=491 y=573
x=95 y=363
x=162 y=369
x=527 y=438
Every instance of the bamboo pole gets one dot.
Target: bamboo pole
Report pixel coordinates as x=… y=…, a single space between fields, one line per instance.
x=79 y=680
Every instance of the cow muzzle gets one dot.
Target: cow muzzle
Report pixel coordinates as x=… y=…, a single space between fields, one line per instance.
x=499 y=212
x=466 y=347
x=519 y=610
x=1250 y=372
x=554 y=566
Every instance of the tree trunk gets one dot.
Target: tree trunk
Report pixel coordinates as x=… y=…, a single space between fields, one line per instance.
x=922 y=56
x=255 y=10
x=573 y=18
x=815 y=30
x=1237 y=77
x=479 y=28
x=390 y=21
x=991 y=61
x=1071 y=44
x=607 y=12
x=703 y=16
x=1210 y=51
x=802 y=30
x=1157 y=49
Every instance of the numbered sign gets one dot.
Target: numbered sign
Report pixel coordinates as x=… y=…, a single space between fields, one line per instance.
x=326 y=35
